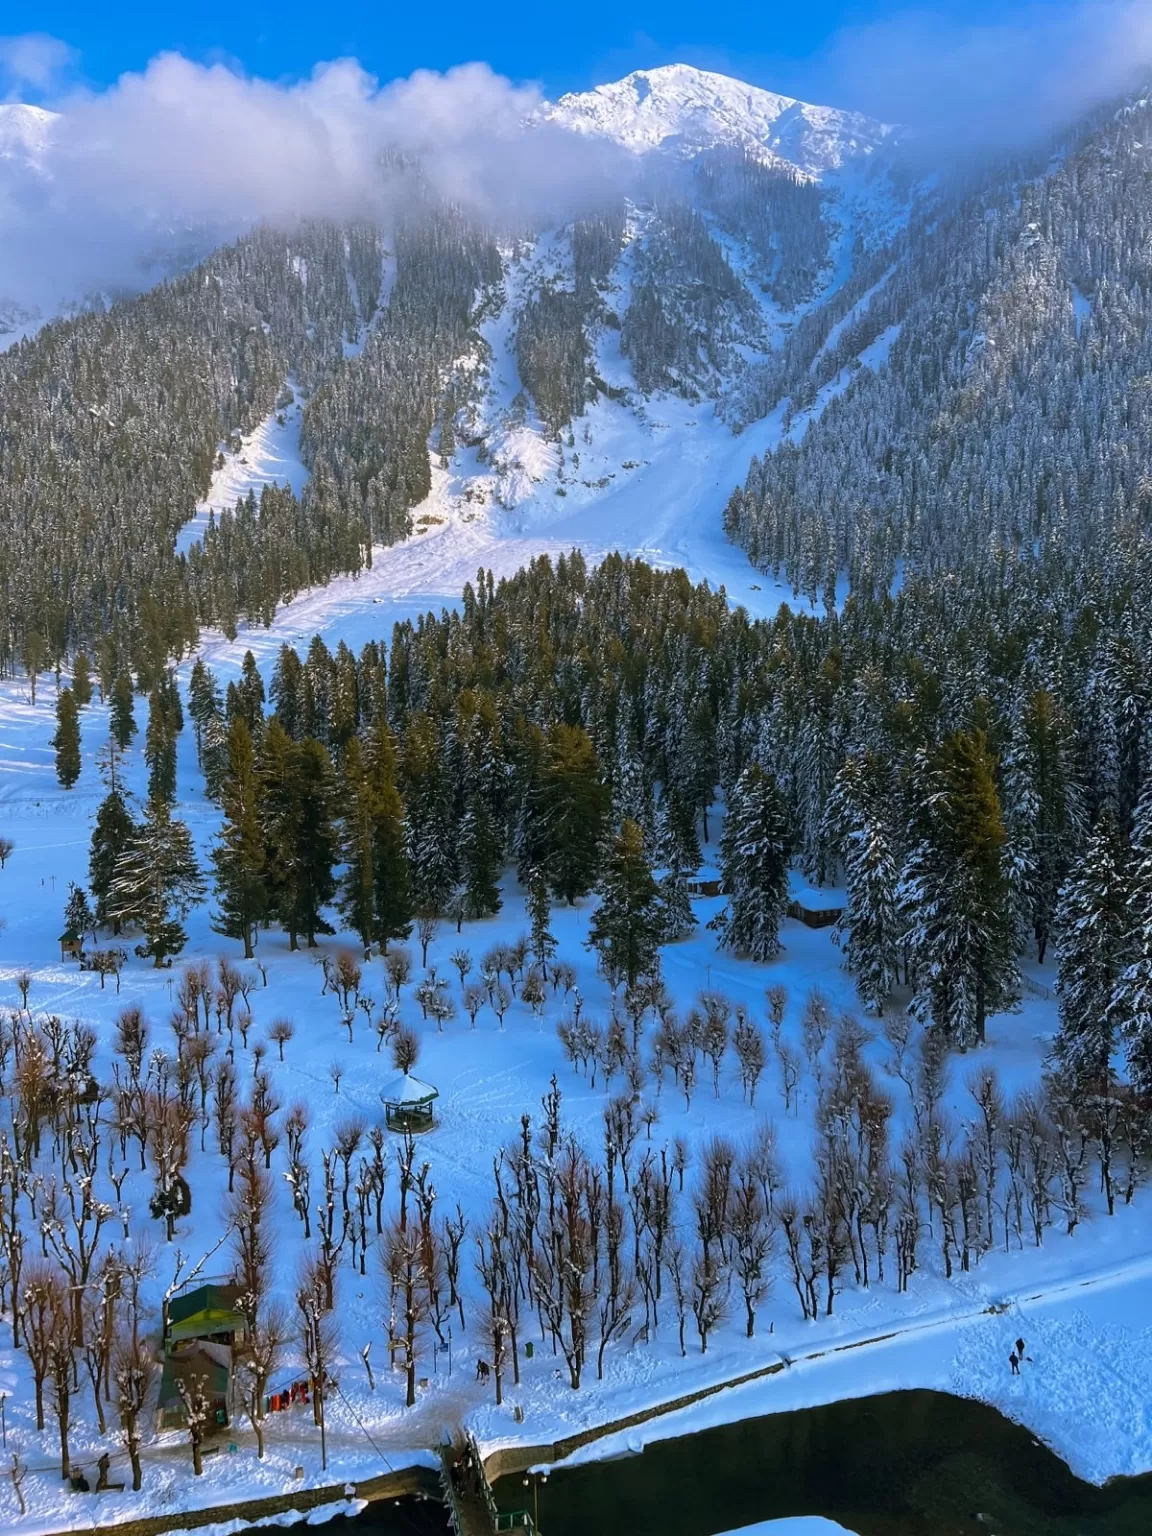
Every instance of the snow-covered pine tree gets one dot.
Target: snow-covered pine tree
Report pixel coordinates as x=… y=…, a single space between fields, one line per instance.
x=204 y=703
x=111 y=836
x=391 y=878
x=1130 y=1006
x=122 y=718
x=954 y=896
x=1093 y=945
x=78 y=915
x=239 y=854
x=67 y=739
x=677 y=864
x=869 y=929
x=539 y=913
x=1043 y=811
x=286 y=691
x=755 y=850
x=157 y=881
x=481 y=860
x=160 y=749
x=627 y=927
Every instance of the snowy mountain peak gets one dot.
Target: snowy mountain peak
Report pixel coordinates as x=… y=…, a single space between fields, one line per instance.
x=24 y=131
x=680 y=107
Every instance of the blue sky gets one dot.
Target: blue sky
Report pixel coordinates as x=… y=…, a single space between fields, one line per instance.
x=796 y=47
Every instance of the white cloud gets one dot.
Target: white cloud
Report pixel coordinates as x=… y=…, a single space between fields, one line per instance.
x=991 y=84
x=33 y=62
x=183 y=147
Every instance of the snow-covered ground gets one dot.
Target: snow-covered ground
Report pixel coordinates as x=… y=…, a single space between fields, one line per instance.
x=791 y=1525
x=269 y=455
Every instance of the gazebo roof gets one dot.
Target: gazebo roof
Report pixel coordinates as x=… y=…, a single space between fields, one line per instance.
x=406 y=1089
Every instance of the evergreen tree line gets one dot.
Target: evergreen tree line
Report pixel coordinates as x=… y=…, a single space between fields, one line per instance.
x=972 y=772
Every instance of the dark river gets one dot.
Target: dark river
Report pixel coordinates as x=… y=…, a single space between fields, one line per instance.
x=901 y=1464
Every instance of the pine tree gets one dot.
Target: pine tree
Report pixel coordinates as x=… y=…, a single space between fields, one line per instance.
x=678 y=863
x=539 y=913
x=391 y=877
x=1130 y=1007
x=1042 y=810
x=78 y=915
x=316 y=693
x=82 y=680
x=627 y=926
x=481 y=860
x=357 y=893
x=300 y=840
x=1093 y=945
x=430 y=831
x=279 y=812
x=755 y=850
x=204 y=704
x=169 y=691
x=113 y=832
x=313 y=884
x=238 y=857
x=67 y=739
x=287 y=685
x=954 y=896
x=122 y=718
x=250 y=693
x=345 y=698
x=160 y=749
x=869 y=929
x=157 y=881
x=572 y=811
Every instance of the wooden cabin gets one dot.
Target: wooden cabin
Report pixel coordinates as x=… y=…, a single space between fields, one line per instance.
x=815 y=914
x=206 y=1366
x=210 y=1311
x=71 y=945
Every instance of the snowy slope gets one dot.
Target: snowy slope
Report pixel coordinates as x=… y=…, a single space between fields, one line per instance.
x=686 y=109
x=269 y=455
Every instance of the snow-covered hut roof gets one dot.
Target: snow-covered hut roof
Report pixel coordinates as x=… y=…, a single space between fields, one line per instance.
x=406 y=1089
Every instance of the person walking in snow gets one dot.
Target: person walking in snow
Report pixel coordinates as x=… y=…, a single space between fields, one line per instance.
x=1020 y=1348
x=1014 y=1362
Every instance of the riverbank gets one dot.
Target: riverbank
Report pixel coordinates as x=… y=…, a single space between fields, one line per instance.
x=312 y=1505
x=1082 y=1391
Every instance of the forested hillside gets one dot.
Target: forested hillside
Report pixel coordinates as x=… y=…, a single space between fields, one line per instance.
x=1013 y=421
x=109 y=426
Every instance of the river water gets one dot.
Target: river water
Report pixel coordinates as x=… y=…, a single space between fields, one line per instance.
x=900 y=1464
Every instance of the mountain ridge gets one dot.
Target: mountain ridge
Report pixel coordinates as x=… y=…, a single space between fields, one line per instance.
x=690 y=109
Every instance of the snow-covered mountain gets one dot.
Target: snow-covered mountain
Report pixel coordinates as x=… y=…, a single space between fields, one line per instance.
x=25 y=132
x=682 y=109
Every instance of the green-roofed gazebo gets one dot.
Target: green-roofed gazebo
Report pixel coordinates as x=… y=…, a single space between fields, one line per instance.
x=408 y=1103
